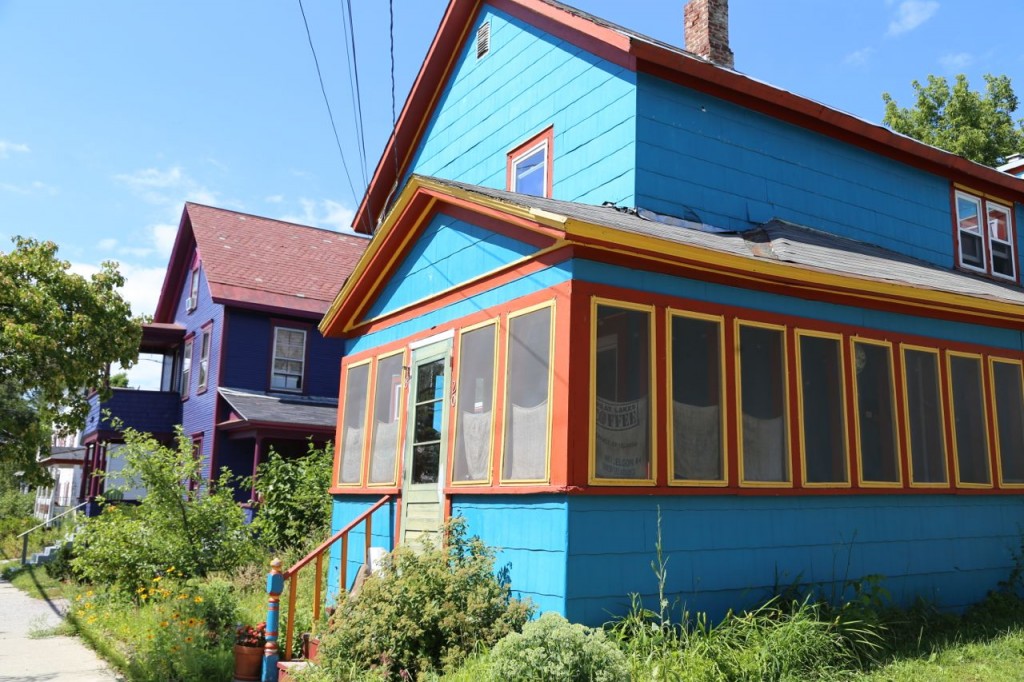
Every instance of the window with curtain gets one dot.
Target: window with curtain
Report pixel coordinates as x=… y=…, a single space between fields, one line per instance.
x=876 y=413
x=763 y=410
x=1008 y=392
x=527 y=386
x=622 y=437
x=475 y=406
x=970 y=432
x=823 y=423
x=353 y=424
x=387 y=402
x=288 y=366
x=698 y=452
x=925 y=423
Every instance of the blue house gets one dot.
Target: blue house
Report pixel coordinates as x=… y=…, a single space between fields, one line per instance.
x=244 y=367
x=621 y=282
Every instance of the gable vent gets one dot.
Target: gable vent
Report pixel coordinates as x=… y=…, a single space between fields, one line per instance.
x=483 y=39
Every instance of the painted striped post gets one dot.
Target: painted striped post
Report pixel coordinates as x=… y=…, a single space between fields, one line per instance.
x=275 y=585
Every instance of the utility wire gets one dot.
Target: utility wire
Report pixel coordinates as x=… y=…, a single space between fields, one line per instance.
x=394 y=116
x=330 y=114
x=350 y=40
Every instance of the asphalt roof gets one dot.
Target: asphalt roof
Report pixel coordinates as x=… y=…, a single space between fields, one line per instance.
x=276 y=408
x=292 y=264
x=777 y=241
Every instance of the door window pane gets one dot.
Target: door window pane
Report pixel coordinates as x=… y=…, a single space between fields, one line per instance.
x=763 y=410
x=622 y=443
x=924 y=416
x=476 y=393
x=1009 y=409
x=970 y=432
x=387 y=401
x=696 y=400
x=527 y=385
x=876 y=413
x=353 y=424
x=824 y=424
x=428 y=416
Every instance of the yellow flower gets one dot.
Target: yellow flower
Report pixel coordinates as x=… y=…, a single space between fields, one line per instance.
x=89 y=593
x=156 y=579
x=188 y=639
x=199 y=600
x=145 y=596
x=164 y=623
x=78 y=598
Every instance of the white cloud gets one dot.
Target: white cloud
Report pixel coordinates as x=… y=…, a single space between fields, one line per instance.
x=910 y=14
x=141 y=284
x=323 y=213
x=29 y=189
x=274 y=199
x=7 y=148
x=163 y=238
x=859 y=57
x=171 y=186
x=956 y=61
x=108 y=244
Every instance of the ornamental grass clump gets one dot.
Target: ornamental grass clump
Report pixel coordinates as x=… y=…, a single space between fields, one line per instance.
x=423 y=612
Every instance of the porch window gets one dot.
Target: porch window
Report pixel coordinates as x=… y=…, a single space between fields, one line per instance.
x=925 y=424
x=822 y=409
x=204 y=361
x=621 y=380
x=527 y=396
x=289 y=359
x=475 y=405
x=697 y=417
x=387 y=402
x=1008 y=395
x=970 y=432
x=764 y=445
x=353 y=424
x=874 y=398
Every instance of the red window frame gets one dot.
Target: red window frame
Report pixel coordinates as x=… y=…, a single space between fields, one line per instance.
x=544 y=138
x=188 y=350
x=205 y=344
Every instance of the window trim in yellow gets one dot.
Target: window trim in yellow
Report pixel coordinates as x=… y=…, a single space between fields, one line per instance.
x=738 y=381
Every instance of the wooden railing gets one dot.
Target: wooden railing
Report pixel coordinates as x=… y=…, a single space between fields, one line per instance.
x=316 y=557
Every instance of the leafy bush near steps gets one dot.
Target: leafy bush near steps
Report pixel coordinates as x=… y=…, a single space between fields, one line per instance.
x=424 y=612
x=551 y=649
x=296 y=505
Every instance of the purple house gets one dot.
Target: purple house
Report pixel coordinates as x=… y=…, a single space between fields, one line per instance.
x=244 y=367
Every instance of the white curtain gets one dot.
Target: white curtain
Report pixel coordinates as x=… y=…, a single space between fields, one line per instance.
x=351 y=458
x=622 y=439
x=382 y=459
x=764 y=449
x=697 y=435
x=529 y=442
x=476 y=437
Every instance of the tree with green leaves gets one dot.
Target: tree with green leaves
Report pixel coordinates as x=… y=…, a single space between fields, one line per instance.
x=978 y=126
x=59 y=333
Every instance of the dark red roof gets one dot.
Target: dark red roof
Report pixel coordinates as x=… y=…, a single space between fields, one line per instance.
x=257 y=262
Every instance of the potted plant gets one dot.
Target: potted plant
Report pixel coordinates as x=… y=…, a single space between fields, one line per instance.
x=249 y=641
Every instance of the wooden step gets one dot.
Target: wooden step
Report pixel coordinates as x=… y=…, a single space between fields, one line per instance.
x=286 y=670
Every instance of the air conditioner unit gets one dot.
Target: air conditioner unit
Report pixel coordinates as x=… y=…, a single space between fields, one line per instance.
x=190 y=304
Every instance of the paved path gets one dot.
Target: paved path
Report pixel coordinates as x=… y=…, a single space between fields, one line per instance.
x=49 y=659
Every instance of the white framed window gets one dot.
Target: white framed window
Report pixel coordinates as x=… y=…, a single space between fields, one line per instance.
x=529 y=165
x=289 y=363
x=186 y=367
x=193 y=290
x=204 y=361
x=985 y=236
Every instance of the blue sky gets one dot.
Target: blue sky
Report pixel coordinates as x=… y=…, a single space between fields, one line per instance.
x=115 y=112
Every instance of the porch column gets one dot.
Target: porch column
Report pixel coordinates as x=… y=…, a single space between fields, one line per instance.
x=83 y=485
x=256 y=454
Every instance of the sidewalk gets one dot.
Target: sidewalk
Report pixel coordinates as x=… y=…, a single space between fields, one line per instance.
x=50 y=659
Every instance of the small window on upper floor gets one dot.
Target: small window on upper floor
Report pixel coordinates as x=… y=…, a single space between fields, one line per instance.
x=289 y=359
x=193 y=290
x=529 y=165
x=985 y=236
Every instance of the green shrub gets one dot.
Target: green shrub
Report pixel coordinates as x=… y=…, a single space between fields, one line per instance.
x=424 y=611
x=551 y=649
x=296 y=505
x=195 y=530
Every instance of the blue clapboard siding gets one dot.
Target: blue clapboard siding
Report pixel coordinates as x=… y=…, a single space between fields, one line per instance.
x=592 y=271
x=528 y=81
x=530 y=535
x=249 y=350
x=735 y=167
x=344 y=510
x=734 y=552
x=537 y=281
x=447 y=253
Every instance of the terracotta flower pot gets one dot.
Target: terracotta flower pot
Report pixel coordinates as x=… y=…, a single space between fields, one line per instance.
x=314 y=648
x=248 y=662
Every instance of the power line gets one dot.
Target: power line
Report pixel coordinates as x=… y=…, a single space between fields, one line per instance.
x=327 y=102
x=348 y=30
x=394 y=115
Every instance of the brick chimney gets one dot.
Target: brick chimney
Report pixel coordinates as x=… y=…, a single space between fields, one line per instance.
x=706 y=30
